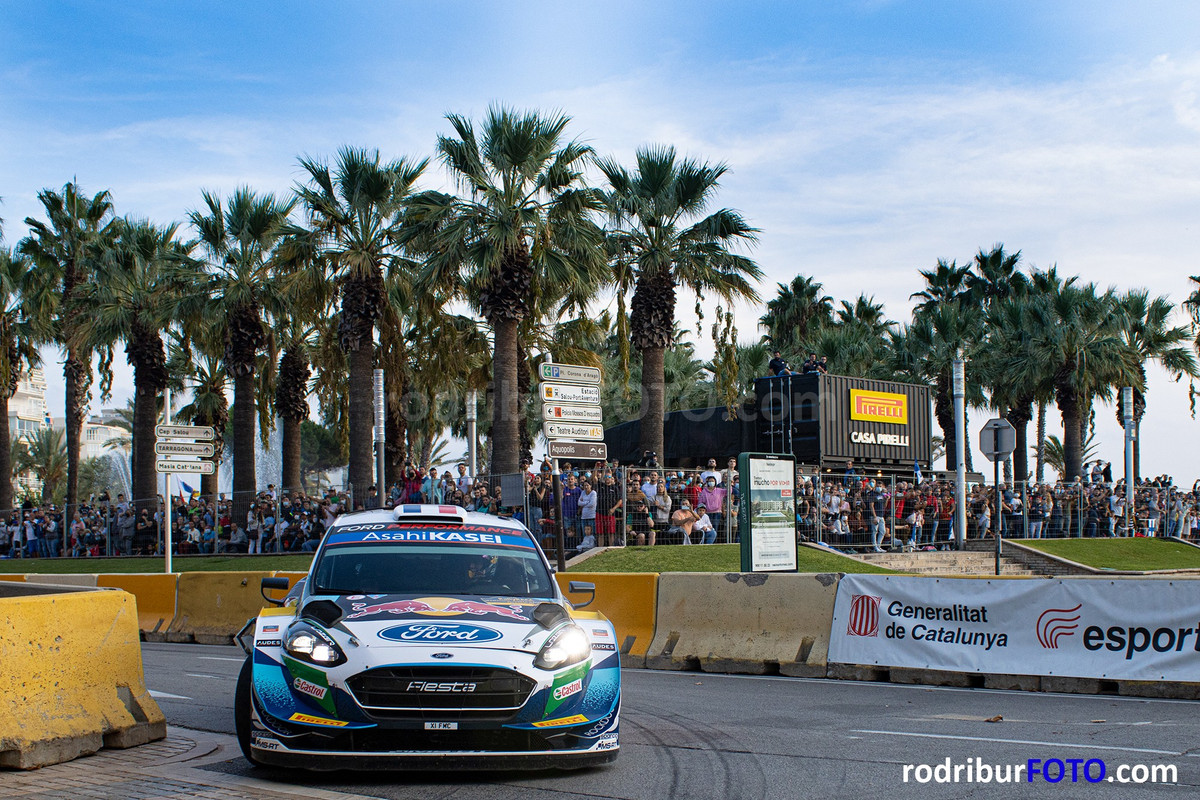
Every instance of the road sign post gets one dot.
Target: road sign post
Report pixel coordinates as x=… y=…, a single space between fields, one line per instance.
x=997 y=440
x=570 y=413
x=582 y=451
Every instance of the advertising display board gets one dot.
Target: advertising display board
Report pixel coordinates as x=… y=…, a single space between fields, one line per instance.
x=767 y=512
x=1146 y=630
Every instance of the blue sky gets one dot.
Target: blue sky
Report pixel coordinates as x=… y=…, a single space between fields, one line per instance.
x=866 y=139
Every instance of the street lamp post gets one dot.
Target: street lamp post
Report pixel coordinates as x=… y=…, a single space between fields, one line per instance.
x=960 y=450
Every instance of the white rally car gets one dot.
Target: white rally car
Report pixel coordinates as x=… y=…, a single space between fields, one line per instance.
x=424 y=637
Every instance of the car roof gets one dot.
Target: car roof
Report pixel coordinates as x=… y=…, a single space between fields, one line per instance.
x=417 y=515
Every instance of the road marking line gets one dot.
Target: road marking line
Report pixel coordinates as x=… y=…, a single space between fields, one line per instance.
x=219 y=658
x=1023 y=741
x=214 y=677
x=920 y=687
x=167 y=695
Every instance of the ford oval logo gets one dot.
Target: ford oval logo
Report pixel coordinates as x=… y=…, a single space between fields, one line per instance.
x=443 y=655
x=449 y=632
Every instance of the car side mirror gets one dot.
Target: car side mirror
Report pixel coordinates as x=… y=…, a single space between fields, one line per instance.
x=268 y=584
x=579 y=587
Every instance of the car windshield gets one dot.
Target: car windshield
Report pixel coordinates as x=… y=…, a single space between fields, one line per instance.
x=412 y=568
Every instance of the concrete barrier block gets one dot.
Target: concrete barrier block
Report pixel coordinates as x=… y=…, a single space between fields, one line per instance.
x=754 y=623
x=12 y=577
x=1165 y=689
x=71 y=677
x=629 y=600
x=155 y=593
x=1057 y=683
x=61 y=579
x=857 y=672
x=1020 y=683
x=934 y=677
x=211 y=607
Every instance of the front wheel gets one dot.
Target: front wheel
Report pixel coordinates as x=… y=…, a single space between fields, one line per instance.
x=242 y=707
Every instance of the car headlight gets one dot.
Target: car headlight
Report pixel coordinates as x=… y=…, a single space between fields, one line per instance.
x=566 y=646
x=308 y=643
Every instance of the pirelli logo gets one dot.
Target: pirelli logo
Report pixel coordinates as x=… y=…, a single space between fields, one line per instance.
x=878 y=407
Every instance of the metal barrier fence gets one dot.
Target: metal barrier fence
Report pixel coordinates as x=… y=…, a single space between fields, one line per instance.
x=626 y=505
x=882 y=512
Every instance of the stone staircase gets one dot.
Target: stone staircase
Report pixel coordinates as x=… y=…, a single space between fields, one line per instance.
x=946 y=562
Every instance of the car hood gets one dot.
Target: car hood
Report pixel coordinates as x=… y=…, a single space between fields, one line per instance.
x=439 y=620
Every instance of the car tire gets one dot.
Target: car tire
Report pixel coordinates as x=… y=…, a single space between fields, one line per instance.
x=242 y=710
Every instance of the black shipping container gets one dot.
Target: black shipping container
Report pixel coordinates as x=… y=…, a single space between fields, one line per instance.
x=813 y=417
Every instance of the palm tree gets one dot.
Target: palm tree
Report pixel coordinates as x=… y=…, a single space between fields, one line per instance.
x=43 y=453
x=924 y=352
x=1078 y=341
x=1056 y=458
x=1145 y=327
x=132 y=301
x=197 y=355
x=996 y=275
x=66 y=250
x=795 y=312
x=944 y=283
x=654 y=214
x=18 y=348
x=520 y=227
x=353 y=222
x=239 y=288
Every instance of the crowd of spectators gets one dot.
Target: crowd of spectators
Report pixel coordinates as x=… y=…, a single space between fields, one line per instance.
x=610 y=504
x=857 y=511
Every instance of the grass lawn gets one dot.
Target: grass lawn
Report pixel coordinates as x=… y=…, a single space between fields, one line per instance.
x=63 y=566
x=709 y=558
x=662 y=558
x=1132 y=554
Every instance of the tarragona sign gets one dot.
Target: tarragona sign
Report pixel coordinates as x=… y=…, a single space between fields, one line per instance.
x=878 y=407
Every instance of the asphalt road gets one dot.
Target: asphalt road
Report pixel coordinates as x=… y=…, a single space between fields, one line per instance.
x=697 y=735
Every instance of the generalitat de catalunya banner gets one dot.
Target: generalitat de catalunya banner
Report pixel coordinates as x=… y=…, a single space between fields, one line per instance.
x=1088 y=628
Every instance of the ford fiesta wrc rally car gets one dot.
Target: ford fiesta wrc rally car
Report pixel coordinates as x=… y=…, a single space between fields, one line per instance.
x=425 y=637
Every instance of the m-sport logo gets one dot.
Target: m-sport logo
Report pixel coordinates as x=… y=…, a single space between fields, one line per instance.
x=1055 y=623
x=864 y=615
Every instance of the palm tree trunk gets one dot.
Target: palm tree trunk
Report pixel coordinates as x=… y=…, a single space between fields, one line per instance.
x=291 y=455
x=362 y=419
x=1068 y=404
x=506 y=441
x=291 y=401
x=943 y=410
x=395 y=426
x=6 y=465
x=1041 y=441
x=524 y=387
x=245 y=478
x=75 y=372
x=1018 y=415
x=654 y=400
x=145 y=417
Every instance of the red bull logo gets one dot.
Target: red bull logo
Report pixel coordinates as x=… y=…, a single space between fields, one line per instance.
x=361 y=610
x=480 y=609
x=436 y=607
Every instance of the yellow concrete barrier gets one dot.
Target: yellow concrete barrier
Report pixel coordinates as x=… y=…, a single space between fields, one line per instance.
x=14 y=578
x=155 y=593
x=212 y=607
x=64 y=579
x=292 y=577
x=71 y=676
x=630 y=600
x=756 y=623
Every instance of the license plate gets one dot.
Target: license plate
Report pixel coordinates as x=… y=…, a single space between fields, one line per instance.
x=441 y=726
